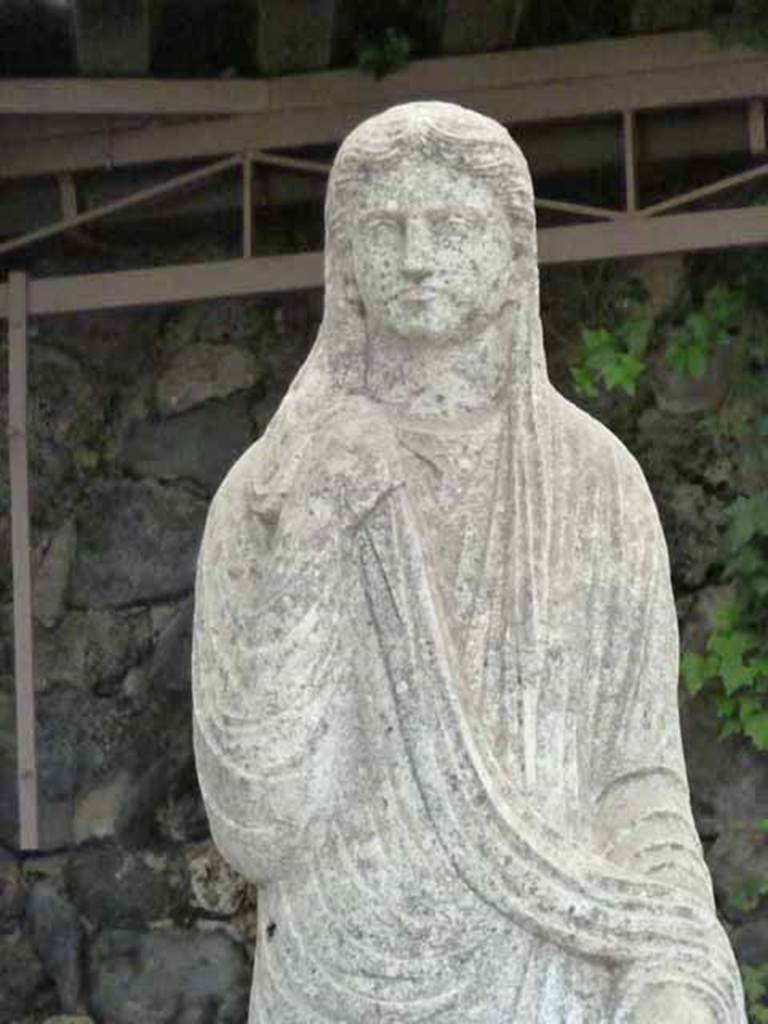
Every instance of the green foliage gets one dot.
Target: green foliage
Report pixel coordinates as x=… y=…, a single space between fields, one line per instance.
x=733 y=671
x=756 y=991
x=384 y=52
x=714 y=323
x=614 y=357
x=749 y=894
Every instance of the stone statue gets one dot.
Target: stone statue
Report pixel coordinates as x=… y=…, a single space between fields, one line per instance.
x=435 y=645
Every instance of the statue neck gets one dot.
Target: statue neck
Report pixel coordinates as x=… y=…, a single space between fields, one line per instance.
x=466 y=377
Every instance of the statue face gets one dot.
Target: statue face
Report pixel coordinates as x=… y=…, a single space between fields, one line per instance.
x=432 y=250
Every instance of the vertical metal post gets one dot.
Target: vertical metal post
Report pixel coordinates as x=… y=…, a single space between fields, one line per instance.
x=630 y=160
x=247 y=206
x=26 y=760
x=757 y=139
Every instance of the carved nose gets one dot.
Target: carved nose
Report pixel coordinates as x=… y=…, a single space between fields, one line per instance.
x=417 y=260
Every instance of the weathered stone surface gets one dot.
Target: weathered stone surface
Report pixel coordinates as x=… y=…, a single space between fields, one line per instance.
x=738 y=860
x=729 y=778
x=216 y=888
x=663 y=278
x=169 y=668
x=167 y=976
x=750 y=940
x=57 y=935
x=435 y=669
x=199 y=445
x=693 y=522
x=136 y=542
x=52 y=576
x=113 y=887
x=12 y=892
x=96 y=811
x=203 y=371
x=91 y=754
x=23 y=983
x=682 y=394
x=93 y=650
x=68 y=1018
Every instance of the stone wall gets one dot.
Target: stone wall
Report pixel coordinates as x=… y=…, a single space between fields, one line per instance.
x=129 y=914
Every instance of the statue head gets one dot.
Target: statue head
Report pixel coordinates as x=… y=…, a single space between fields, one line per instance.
x=430 y=222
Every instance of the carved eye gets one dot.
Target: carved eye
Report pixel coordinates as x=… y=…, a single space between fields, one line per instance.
x=456 y=225
x=382 y=228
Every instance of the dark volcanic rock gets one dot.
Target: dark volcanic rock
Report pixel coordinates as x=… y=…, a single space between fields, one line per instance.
x=199 y=445
x=170 y=667
x=23 y=983
x=136 y=542
x=113 y=887
x=57 y=935
x=168 y=976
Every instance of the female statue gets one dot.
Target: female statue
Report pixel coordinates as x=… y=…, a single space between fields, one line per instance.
x=435 y=645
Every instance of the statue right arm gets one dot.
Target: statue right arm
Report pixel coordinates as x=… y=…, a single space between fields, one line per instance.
x=274 y=721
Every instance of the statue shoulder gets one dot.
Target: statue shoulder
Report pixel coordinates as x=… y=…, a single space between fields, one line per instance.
x=603 y=461
x=240 y=508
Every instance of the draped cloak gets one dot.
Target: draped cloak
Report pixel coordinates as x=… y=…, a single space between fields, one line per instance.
x=422 y=712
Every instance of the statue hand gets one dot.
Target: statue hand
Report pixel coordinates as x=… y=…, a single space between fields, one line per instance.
x=356 y=456
x=673 y=1004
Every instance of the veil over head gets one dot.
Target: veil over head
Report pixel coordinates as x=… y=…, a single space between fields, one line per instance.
x=336 y=366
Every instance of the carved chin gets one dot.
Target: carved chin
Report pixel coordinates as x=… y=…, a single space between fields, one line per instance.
x=428 y=324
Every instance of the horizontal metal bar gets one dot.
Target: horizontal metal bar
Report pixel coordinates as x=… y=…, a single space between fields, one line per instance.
x=630 y=236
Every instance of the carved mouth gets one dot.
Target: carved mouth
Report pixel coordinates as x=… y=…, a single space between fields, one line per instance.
x=419 y=294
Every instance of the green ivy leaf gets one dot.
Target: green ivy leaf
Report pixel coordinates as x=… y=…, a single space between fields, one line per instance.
x=756 y=727
x=697 y=361
x=636 y=334
x=730 y=727
x=748 y=707
x=732 y=646
x=745 y=521
x=727 y=707
x=583 y=381
x=729 y=614
x=696 y=671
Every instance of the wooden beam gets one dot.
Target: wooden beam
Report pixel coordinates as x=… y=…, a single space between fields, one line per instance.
x=648 y=236
x=182 y=283
x=616 y=239
x=26 y=759
x=595 y=80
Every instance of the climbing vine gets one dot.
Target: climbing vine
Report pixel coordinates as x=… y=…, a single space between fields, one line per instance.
x=617 y=356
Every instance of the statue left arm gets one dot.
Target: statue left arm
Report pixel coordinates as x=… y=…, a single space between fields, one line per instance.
x=642 y=816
